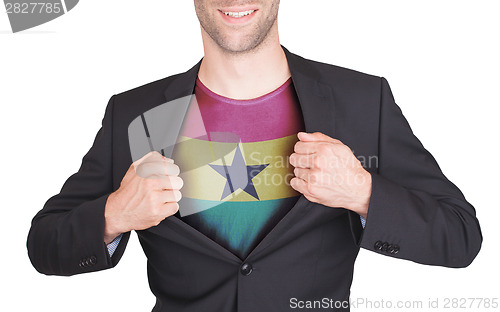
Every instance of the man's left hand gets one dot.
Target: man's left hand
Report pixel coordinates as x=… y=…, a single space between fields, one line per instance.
x=327 y=172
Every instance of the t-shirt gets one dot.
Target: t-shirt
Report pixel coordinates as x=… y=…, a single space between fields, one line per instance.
x=234 y=159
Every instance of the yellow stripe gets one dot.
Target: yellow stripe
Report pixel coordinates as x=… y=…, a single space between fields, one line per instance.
x=203 y=182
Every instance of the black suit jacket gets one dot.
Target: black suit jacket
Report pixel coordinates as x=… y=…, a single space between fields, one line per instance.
x=415 y=212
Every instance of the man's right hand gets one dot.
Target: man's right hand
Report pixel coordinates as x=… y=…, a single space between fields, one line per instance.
x=148 y=193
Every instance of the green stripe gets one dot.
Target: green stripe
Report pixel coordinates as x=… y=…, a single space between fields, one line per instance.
x=238 y=226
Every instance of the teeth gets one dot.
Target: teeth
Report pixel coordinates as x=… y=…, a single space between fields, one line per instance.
x=239 y=14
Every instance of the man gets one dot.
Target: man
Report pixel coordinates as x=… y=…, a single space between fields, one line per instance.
x=218 y=237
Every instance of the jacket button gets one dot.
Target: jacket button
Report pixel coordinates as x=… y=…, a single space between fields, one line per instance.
x=378 y=245
x=385 y=245
x=83 y=263
x=246 y=269
x=395 y=249
x=390 y=249
x=93 y=260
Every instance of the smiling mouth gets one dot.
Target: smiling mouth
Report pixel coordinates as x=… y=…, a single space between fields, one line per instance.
x=239 y=14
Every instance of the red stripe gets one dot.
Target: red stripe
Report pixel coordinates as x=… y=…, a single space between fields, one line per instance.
x=268 y=117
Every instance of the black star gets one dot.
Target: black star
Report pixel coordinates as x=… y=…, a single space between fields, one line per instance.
x=239 y=175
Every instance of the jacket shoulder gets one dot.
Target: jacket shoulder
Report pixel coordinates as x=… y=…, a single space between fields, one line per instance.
x=339 y=75
x=134 y=102
x=153 y=90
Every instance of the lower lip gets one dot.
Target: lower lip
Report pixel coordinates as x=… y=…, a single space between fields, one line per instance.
x=237 y=20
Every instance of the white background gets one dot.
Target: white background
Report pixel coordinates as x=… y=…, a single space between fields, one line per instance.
x=441 y=59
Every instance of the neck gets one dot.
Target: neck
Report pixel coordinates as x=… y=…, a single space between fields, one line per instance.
x=244 y=75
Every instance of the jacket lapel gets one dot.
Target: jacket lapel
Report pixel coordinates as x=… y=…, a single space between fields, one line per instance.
x=317 y=105
x=183 y=84
x=318 y=109
x=315 y=98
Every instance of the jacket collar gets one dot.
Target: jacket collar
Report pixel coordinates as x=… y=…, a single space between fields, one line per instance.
x=315 y=96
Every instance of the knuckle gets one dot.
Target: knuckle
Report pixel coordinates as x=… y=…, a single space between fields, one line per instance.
x=304 y=161
x=313 y=177
x=177 y=195
x=294 y=183
x=311 y=189
x=172 y=169
x=176 y=169
x=325 y=149
x=170 y=160
x=344 y=149
x=167 y=183
x=154 y=210
x=337 y=141
x=148 y=183
x=153 y=200
x=317 y=161
x=176 y=182
x=142 y=170
x=143 y=166
x=301 y=161
x=167 y=196
x=155 y=156
x=172 y=208
x=323 y=161
x=296 y=147
x=157 y=220
x=322 y=148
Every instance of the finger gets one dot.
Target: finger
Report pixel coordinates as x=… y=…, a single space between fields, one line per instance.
x=147 y=156
x=152 y=156
x=133 y=167
x=156 y=157
x=316 y=137
x=302 y=173
x=172 y=169
x=301 y=186
x=303 y=147
x=150 y=170
x=302 y=161
x=157 y=169
x=171 y=208
x=170 y=196
x=165 y=183
x=298 y=184
x=172 y=183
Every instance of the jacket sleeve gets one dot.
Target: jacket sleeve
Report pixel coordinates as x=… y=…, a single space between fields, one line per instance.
x=67 y=236
x=415 y=212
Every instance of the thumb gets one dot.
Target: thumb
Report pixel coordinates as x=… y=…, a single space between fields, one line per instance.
x=152 y=156
x=316 y=137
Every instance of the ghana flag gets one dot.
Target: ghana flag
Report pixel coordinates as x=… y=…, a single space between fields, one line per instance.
x=233 y=157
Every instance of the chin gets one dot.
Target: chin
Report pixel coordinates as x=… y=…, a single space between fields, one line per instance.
x=238 y=44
